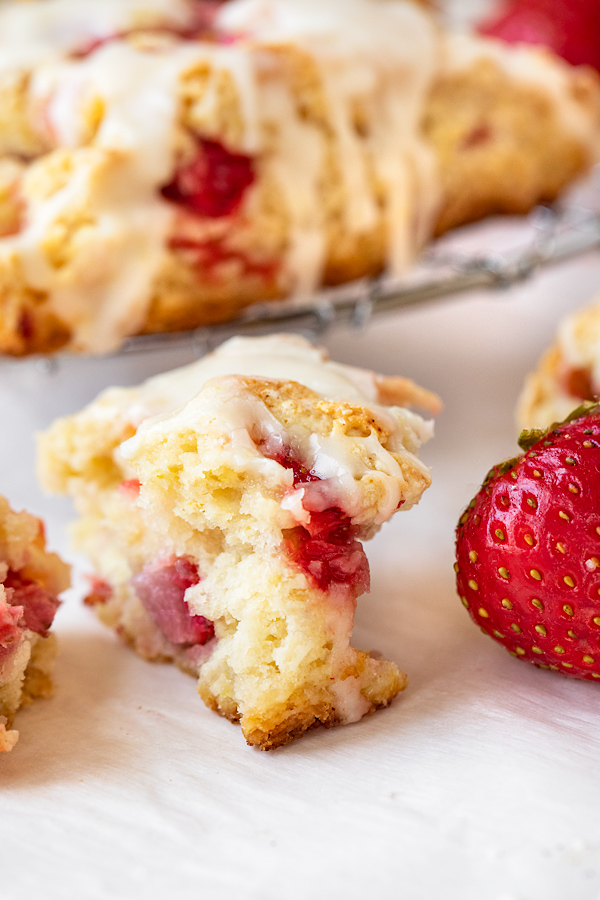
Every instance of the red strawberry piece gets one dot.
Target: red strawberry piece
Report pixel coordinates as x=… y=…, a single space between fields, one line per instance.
x=38 y=604
x=569 y=27
x=528 y=549
x=161 y=588
x=327 y=549
x=214 y=183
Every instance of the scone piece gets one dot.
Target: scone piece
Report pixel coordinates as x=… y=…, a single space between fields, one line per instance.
x=567 y=374
x=164 y=164
x=30 y=581
x=511 y=126
x=224 y=506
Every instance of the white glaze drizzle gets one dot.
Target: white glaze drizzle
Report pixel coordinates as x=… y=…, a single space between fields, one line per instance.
x=40 y=30
x=237 y=413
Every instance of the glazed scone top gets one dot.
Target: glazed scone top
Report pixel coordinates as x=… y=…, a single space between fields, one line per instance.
x=112 y=114
x=229 y=402
x=224 y=395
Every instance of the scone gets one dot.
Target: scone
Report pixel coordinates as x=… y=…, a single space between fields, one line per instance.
x=224 y=506
x=30 y=581
x=567 y=374
x=165 y=164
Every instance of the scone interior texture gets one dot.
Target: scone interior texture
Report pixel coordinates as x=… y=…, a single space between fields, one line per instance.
x=224 y=506
x=30 y=581
x=165 y=164
x=567 y=374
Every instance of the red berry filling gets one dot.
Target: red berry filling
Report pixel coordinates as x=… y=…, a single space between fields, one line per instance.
x=100 y=591
x=578 y=383
x=326 y=549
x=161 y=589
x=39 y=605
x=213 y=184
x=328 y=552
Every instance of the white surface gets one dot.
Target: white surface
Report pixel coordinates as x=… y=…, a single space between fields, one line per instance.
x=479 y=783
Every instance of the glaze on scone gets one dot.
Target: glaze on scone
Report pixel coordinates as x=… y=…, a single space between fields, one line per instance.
x=223 y=506
x=164 y=164
x=30 y=581
x=567 y=374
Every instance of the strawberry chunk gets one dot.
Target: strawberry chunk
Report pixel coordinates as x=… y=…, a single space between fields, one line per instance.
x=10 y=616
x=528 y=549
x=578 y=383
x=39 y=605
x=100 y=591
x=569 y=27
x=161 y=588
x=326 y=549
x=214 y=183
x=329 y=553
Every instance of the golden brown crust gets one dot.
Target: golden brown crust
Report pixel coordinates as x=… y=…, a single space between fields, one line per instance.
x=301 y=713
x=397 y=391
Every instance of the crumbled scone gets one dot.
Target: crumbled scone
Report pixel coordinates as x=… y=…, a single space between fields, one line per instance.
x=30 y=581
x=224 y=506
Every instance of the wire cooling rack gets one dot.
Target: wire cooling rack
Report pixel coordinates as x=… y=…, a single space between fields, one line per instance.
x=461 y=262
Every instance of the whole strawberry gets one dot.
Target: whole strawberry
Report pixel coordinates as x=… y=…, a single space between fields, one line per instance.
x=528 y=549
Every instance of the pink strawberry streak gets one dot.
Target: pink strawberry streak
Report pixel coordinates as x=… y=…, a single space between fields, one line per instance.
x=326 y=547
x=210 y=255
x=161 y=588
